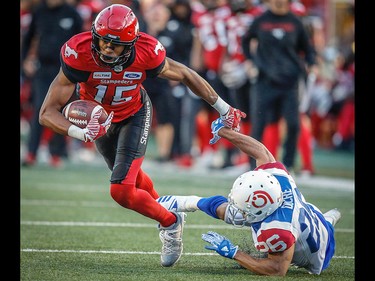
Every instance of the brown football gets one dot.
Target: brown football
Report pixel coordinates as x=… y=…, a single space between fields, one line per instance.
x=80 y=112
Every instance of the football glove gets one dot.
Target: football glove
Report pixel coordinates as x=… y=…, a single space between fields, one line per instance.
x=215 y=128
x=220 y=244
x=232 y=118
x=94 y=130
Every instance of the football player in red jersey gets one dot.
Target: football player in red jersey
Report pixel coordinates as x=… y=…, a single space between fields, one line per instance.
x=109 y=64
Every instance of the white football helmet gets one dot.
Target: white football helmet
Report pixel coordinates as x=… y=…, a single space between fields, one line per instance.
x=256 y=195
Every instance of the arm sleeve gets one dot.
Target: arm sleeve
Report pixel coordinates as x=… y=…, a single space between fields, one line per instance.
x=278 y=240
x=155 y=72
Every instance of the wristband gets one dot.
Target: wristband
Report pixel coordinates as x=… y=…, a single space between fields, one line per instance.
x=77 y=133
x=221 y=106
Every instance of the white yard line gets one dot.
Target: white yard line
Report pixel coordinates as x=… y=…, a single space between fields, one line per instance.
x=129 y=252
x=141 y=225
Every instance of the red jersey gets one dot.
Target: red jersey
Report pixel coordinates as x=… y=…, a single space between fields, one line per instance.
x=119 y=90
x=212 y=34
x=237 y=25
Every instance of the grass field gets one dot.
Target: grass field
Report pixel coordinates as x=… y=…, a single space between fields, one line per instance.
x=72 y=230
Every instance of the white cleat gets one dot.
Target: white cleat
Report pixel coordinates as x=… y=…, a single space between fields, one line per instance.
x=179 y=203
x=171 y=237
x=333 y=216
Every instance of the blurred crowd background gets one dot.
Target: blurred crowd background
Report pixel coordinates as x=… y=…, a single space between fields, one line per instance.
x=181 y=126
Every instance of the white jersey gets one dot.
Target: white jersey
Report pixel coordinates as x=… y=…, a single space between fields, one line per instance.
x=295 y=222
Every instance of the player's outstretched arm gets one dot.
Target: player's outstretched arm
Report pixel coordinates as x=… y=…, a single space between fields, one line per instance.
x=274 y=264
x=176 y=71
x=245 y=143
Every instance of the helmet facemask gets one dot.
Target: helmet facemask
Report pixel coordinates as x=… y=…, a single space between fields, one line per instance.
x=105 y=60
x=235 y=216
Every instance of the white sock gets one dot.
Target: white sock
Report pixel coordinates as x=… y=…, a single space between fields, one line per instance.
x=187 y=203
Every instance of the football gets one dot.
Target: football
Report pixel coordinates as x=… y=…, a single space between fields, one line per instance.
x=80 y=112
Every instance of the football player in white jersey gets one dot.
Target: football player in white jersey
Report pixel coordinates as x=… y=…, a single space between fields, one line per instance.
x=284 y=226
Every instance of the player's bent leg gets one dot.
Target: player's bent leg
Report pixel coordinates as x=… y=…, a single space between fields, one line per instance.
x=144 y=182
x=171 y=238
x=179 y=203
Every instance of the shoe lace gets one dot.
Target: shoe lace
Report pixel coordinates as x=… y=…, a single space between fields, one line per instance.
x=170 y=240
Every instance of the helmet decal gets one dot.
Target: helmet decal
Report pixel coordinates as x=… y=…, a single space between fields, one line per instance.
x=260 y=199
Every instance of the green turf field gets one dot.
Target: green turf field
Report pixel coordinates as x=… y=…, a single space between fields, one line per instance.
x=72 y=230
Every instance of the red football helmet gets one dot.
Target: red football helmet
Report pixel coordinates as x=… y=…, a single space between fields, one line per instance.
x=118 y=25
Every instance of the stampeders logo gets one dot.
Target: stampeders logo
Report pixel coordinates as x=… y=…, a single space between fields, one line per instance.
x=69 y=51
x=259 y=199
x=147 y=127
